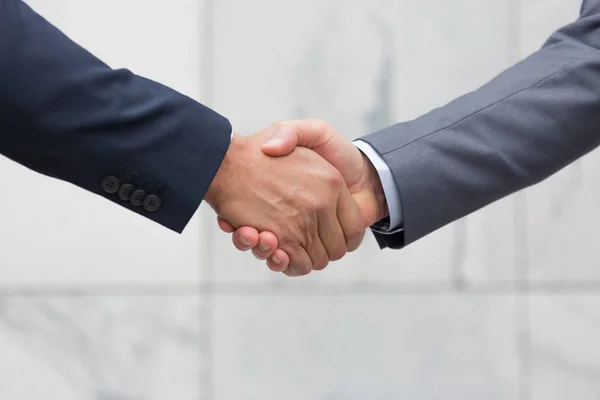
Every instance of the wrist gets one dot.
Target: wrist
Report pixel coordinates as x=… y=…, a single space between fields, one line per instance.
x=375 y=188
x=215 y=193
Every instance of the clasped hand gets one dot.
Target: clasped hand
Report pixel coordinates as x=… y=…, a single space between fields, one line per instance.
x=297 y=194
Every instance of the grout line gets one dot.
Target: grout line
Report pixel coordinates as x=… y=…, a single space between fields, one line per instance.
x=304 y=289
x=101 y=290
x=459 y=254
x=524 y=347
x=205 y=284
x=526 y=289
x=522 y=281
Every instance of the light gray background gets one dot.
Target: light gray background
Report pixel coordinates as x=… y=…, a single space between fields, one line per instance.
x=98 y=303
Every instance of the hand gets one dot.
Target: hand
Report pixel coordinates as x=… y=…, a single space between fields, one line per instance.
x=300 y=198
x=359 y=175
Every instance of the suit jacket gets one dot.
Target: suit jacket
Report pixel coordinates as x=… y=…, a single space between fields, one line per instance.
x=518 y=129
x=66 y=114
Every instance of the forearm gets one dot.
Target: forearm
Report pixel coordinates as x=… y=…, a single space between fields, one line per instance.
x=523 y=126
x=66 y=114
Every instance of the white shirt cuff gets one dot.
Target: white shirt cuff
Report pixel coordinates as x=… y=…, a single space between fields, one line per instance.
x=390 y=190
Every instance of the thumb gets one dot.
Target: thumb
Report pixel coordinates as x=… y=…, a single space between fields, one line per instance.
x=368 y=206
x=311 y=134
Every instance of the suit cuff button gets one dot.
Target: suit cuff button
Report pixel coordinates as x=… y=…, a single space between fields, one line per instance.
x=110 y=184
x=137 y=197
x=125 y=192
x=152 y=203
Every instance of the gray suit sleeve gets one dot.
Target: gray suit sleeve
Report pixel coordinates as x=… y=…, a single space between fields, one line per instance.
x=523 y=126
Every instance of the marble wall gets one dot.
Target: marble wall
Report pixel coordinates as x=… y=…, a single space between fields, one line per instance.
x=98 y=303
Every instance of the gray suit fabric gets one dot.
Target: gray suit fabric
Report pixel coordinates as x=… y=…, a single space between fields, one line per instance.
x=521 y=127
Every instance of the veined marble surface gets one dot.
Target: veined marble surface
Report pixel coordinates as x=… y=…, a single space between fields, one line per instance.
x=365 y=347
x=562 y=214
x=100 y=347
x=565 y=353
x=56 y=234
x=361 y=65
x=98 y=303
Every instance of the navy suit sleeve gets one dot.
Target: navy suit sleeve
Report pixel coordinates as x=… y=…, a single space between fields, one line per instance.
x=66 y=114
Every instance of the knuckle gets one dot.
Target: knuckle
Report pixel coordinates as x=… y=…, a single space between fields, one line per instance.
x=354 y=230
x=304 y=198
x=321 y=205
x=338 y=253
x=326 y=198
x=321 y=265
x=314 y=202
x=320 y=259
x=301 y=270
x=259 y=255
x=355 y=242
x=321 y=124
x=289 y=273
x=279 y=125
x=335 y=178
x=358 y=232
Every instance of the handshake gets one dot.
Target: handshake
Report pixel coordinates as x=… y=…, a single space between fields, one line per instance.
x=297 y=194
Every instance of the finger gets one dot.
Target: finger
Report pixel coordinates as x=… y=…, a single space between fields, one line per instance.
x=279 y=261
x=331 y=234
x=245 y=238
x=368 y=205
x=310 y=133
x=225 y=226
x=320 y=137
x=313 y=134
x=300 y=261
x=283 y=141
x=267 y=244
x=351 y=220
x=315 y=247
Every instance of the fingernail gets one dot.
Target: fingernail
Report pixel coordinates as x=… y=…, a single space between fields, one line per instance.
x=244 y=241
x=262 y=247
x=273 y=143
x=276 y=260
